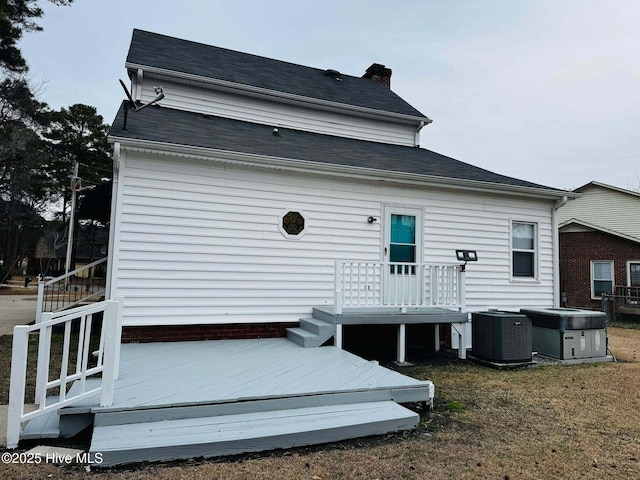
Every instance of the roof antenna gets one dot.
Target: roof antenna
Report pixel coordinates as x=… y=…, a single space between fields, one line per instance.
x=136 y=107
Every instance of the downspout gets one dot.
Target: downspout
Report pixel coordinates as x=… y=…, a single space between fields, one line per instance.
x=416 y=138
x=112 y=219
x=556 y=250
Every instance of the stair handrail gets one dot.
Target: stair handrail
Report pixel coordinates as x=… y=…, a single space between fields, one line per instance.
x=107 y=362
x=43 y=287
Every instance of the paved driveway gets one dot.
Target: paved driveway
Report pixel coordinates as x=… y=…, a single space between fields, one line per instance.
x=16 y=310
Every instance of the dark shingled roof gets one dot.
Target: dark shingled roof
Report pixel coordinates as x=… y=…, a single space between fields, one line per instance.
x=165 y=125
x=154 y=50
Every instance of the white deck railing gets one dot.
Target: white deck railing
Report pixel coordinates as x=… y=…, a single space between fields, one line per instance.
x=80 y=285
x=397 y=285
x=76 y=365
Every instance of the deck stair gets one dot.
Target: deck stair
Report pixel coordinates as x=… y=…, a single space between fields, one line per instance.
x=219 y=435
x=312 y=332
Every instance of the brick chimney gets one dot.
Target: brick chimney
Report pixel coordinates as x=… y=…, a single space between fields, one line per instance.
x=380 y=73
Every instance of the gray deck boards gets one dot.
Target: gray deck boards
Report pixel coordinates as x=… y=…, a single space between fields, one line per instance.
x=44 y=426
x=212 y=398
x=248 y=432
x=192 y=373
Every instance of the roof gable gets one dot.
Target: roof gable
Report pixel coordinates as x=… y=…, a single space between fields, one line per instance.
x=598 y=185
x=566 y=225
x=605 y=207
x=206 y=61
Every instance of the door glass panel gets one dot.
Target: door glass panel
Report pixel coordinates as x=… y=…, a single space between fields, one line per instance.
x=402 y=253
x=403 y=229
x=402 y=244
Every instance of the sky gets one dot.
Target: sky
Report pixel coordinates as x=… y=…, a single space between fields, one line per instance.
x=543 y=90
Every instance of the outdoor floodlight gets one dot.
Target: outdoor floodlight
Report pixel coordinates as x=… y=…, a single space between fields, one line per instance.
x=466 y=256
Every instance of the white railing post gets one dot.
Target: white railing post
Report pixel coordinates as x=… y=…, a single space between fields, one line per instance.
x=433 y=280
x=116 y=368
x=44 y=356
x=461 y=290
x=17 y=384
x=337 y=296
x=402 y=343
x=110 y=317
x=337 y=339
x=40 y=302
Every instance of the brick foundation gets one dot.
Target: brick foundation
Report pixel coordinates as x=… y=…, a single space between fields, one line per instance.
x=184 y=333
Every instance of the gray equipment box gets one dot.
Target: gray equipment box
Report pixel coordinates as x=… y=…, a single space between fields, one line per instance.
x=503 y=337
x=567 y=333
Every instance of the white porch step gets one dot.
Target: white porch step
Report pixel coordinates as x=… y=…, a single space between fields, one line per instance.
x=248 y=432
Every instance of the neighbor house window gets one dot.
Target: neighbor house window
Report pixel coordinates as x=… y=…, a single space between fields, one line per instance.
x=523 y=250
x=601 y=278
x=634 y=274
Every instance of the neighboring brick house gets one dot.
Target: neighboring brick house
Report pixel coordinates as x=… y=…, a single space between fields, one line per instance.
x=599 y=244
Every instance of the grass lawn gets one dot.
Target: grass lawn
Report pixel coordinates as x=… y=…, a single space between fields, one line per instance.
x=553 y=422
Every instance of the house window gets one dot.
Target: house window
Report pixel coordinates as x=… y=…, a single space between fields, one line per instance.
x=292 y=224
x=601 y=278
x=634 y=274
x=523 y=250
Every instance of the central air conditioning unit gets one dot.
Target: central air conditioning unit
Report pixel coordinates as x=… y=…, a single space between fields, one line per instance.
x=502 y=337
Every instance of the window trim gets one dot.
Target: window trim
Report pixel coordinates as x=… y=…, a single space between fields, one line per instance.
x=592 y=278
x=536 y=252
x=629 y=262
x=288 y=235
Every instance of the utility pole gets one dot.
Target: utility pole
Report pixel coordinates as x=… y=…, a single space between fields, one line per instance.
x=75 y=186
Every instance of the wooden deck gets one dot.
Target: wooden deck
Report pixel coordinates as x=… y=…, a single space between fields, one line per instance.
x=212 y=398
x=223 y=371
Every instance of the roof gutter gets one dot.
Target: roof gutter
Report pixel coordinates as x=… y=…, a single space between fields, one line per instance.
x=266 y=93
x=346 y=171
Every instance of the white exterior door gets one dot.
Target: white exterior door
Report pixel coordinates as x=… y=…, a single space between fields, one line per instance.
x=403 y=279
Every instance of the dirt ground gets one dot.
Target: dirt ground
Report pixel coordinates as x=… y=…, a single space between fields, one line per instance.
x=551 y=422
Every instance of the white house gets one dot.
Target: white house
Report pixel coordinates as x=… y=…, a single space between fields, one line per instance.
x=256 y=196
x=236 y=194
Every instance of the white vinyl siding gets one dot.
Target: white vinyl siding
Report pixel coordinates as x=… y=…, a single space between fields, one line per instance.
x=199 y=242
x=255 y=110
